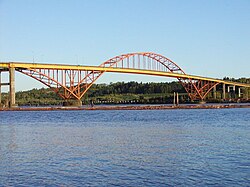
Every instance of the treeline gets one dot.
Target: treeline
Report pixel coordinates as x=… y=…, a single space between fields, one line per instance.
x=134 y=88
x=241 y=80
x=133 y=93
x=119 y=92
x=43 y=96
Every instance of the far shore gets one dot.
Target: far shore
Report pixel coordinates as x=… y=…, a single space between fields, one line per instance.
x=130 y=107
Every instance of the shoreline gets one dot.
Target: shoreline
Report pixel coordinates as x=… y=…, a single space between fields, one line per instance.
x=133 y=107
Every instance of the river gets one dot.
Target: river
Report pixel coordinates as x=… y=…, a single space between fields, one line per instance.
x=198 y=147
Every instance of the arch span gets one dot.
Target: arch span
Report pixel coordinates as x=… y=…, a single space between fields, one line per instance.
x=149 y=61
x=72 y=82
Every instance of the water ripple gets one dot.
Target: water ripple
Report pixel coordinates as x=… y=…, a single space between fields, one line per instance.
x=125 y=148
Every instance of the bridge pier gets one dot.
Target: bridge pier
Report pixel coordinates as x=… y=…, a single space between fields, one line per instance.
x=224 y=92
x=0 y=88
x=72 y=103
x=214 y=92
x=12 y=93
x=176 y=99
x=239 y=92
x=231 y=92
x=228 y=88
x=247 y=93
x=3 y=84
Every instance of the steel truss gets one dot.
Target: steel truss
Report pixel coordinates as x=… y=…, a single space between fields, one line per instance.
x=73 y=83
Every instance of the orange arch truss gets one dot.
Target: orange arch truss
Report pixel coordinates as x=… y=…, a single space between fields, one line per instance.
x=73 y=83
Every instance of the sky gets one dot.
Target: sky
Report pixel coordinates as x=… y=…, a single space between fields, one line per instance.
x=206 y=38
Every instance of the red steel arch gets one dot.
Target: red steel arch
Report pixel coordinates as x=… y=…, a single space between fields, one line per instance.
x=142 y=60
x=73 y=84
x=196 y=89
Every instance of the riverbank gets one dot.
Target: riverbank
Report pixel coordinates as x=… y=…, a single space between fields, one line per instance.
x=131 y=107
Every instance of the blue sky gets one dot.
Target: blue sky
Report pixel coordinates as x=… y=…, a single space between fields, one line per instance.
x=207 y=38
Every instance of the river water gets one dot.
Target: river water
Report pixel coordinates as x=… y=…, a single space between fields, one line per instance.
x=198 y=147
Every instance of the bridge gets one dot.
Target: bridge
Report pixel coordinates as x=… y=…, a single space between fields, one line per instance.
x=73 y=81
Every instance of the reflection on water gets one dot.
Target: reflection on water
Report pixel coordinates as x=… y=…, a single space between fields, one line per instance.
x=125 y=148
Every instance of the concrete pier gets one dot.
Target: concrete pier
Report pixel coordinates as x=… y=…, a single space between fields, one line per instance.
x=174 y=100
x=247 y=92
x=0 y=88
x=72 y=103
x=177 y=99
x=239 y=92
x=12 y=95
x=214 y=92
x=229 y=88
x=224 y=91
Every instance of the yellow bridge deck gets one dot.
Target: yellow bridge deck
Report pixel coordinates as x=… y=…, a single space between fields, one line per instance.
x=6 y=65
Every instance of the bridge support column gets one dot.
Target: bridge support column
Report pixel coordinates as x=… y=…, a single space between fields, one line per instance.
x=239 y=90
x=224 y=91
x=174 y=99
x=177 y=99
x=231 y=92
x=0 y=88
x=214 y=92
x=228 y=88
x=72 y=103
x=247 y=90
x=12 y=87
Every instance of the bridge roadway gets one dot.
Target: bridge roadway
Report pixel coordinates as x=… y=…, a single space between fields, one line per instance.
x=7 y=65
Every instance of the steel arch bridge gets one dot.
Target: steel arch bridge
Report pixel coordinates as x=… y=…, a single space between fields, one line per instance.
x=72 y=82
